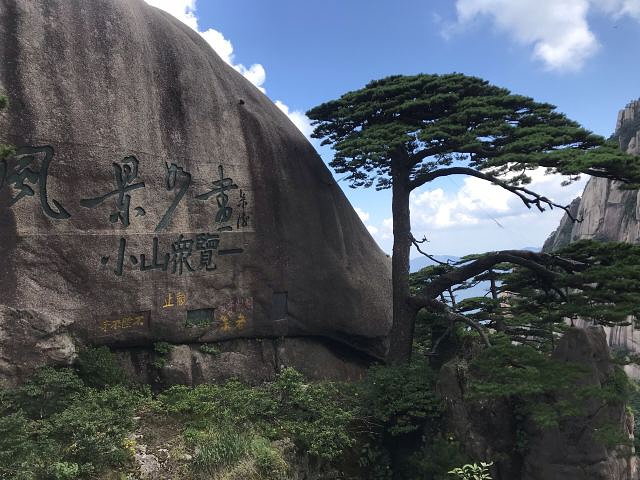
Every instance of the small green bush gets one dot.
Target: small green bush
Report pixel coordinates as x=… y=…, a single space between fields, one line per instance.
x=97 y=367
x=268 y=460
x=472 y=471
x=57 y=427
x=316 y=417
x=216 y=448
x=401 y=397
x=210 y=349
x=163 y=348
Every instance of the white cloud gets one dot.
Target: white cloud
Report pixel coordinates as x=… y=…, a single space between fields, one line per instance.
x=478 y=202
x=185 y=11
x=619 y=8
x=221 y=45
x=471 y=215
x=364 y=216
x=557 y=29
x=298 y=118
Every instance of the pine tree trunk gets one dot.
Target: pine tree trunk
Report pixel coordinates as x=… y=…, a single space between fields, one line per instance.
x=403 y=314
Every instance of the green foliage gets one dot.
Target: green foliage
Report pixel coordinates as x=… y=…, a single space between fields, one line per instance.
x=216 y=448
x=219 y=449
x=268 y=460
x=316 y=416
x=433 y=460
x=433 y=121
x=210 y=349
x=57 y=427
x=473 y=471
x=48 y=391
x=604 y=289
x=401 y=398
x=5 y=150
x=634 y=406
x=97 y=367
x=162 y=348
x=545 y=387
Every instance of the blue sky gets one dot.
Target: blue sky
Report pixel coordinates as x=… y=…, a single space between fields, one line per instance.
x=576 y=54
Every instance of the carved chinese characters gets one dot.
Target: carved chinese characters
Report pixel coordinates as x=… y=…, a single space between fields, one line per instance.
x=26 y=174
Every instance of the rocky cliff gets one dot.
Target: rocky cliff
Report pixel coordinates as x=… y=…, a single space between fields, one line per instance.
x=568 y=451
x=607 y=212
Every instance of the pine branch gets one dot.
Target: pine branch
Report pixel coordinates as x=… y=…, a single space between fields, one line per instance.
x=416 y=243
x=528 y=197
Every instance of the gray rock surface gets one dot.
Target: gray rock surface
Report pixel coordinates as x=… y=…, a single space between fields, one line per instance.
x=608 y=213
x=251 y=360
x=158 y=196
x=490 y=431
x=571 y=451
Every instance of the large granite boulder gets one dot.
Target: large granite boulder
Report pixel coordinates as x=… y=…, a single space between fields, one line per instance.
x=156 y=195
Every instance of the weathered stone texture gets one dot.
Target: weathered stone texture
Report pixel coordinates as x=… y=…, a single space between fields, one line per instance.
x=608 y=213
x=572 y=451
x=251 y=360
x=103 y=91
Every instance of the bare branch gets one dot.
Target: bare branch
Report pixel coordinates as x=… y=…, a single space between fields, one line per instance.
x=442 y=308
x=528 y=197
x=416 y=243
x=537 y=262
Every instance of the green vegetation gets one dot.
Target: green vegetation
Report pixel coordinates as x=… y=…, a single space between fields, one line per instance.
x=210 y=349
x=473 y=471
x=78 y=423
x=5 y=150
x=57 y=427
x=161 y=350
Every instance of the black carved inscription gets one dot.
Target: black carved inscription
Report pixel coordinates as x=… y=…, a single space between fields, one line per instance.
x=180 y=259
x=125 y=173
x=26 y=173
x=173 y=175
x=27 y=169
x=243 y=218
x=220 y=189
x=207 y=244
x=157 y=262
x=181 y=252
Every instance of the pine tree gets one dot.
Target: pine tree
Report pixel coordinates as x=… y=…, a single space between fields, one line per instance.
x=401 y=132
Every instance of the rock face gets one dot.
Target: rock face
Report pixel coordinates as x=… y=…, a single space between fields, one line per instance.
x=156 y=195
x=489 y=431
x=608 y=213
x=570 y=451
